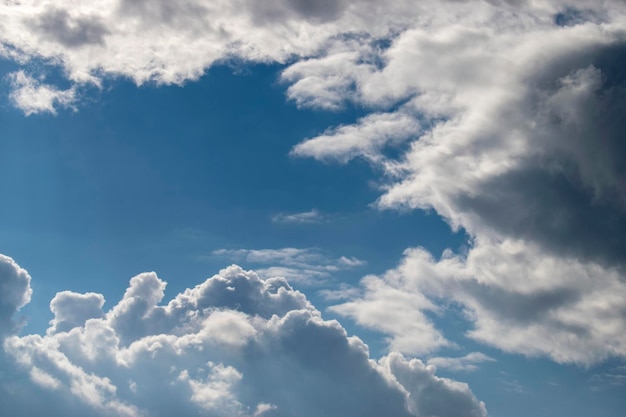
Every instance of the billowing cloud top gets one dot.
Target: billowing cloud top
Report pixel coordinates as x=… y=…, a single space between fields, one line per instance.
x=15 y=292
x=235 y=345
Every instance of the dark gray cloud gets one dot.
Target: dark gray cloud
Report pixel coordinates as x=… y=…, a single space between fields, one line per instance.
x=569 y=193
x=546 y=204
x=318 y=9
x=72 y=32
x=138 y=313
x=280 y=11
x=571 y=16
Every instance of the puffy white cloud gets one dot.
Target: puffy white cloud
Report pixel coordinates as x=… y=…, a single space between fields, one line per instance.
x=15 y=292
x=235 y=345
x=73 y=309
x=393 y=310
x=367 y=138
x=173 y=43
x=514 y=296
x=429 y=395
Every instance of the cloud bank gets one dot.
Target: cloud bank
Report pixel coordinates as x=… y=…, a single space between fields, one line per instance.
x=235 y=345
x=518 y=114
x=506 y=118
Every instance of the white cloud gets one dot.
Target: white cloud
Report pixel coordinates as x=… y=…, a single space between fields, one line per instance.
x=235 y=345
x=298 y=265
x=466 y=363
x=510 y=117
x=306 y=217
x=15 y=292
x=519 y=112
x=515 y=297
x=32 y=97
x=157 y=41
x=366 y=138
x=43 y=379
x=72 y=309
x=429 y=395
x=393 y=310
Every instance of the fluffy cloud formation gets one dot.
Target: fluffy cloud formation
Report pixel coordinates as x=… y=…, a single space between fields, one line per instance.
x=235 y=345
x=514 y=296
x=71 y=310
x=15 y=292
x=504 y=117
x=157 y=41
x=516 y=126
x=520 y=109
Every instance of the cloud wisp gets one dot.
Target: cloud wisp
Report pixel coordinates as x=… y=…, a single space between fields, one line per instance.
x=467 y=363
x=306 y=217
x=304 y=266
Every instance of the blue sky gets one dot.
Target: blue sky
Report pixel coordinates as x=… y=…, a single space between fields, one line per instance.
x=423 y=206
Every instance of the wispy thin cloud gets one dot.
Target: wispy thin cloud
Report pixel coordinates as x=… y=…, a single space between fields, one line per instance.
x=312 y=216
x=467 y=363
x=612 y=378
x=298 y=265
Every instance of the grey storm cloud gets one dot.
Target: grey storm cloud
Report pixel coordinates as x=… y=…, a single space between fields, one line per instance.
x=71 y=32
x=569 y=194
x=235 y=345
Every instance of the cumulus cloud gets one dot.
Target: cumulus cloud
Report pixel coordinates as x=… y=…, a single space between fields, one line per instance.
x=430 y=396
x=513 y=130
x=72 y=309
x=298 y=265
x=504 y=117
x=15 y=292
x=233 y=345
x=157 y=41
x=519 y=113
x=513 y=295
